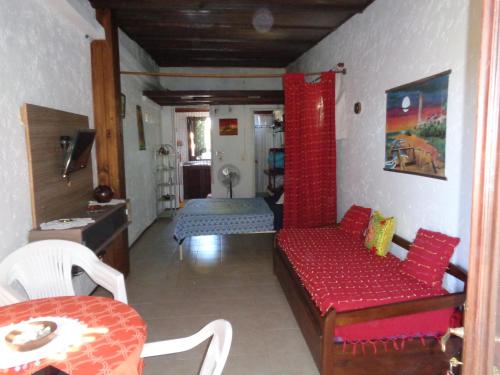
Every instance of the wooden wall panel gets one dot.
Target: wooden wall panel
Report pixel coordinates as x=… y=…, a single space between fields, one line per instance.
x=52 y=197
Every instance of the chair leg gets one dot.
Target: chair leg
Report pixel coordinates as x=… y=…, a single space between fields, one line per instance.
x=180 y=252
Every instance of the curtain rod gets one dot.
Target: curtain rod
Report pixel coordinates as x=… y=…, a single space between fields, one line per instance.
x=339 y=70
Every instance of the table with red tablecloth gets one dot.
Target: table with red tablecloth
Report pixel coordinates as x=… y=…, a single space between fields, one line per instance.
x=116 y=352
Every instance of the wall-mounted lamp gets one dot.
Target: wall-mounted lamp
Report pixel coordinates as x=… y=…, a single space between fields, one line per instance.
x=65 y=142
x=76 y=151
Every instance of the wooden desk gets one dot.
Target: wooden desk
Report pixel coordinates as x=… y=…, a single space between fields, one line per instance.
x=98 y=236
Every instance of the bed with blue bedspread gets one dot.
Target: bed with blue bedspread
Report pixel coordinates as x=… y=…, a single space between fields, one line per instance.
x=216 y=216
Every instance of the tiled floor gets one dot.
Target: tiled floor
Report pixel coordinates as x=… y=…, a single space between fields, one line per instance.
x=226 y=277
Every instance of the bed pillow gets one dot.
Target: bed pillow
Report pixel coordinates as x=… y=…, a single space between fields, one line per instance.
x=356 y=220
x=429 y=257
x=379 y=235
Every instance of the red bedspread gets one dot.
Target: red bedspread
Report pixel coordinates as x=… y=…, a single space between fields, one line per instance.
x=338 y=271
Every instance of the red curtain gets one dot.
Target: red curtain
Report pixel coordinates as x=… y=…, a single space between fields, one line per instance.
x=310 y=161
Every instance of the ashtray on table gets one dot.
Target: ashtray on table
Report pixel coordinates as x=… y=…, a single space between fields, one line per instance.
x=31 y=335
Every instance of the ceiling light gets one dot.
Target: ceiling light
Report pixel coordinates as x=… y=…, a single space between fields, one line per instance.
x=263 y=20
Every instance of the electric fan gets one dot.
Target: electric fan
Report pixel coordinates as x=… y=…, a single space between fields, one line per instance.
x=229 y=175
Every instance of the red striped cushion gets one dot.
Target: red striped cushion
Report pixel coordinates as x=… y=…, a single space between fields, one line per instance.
x=429 y=256
x=355 y=220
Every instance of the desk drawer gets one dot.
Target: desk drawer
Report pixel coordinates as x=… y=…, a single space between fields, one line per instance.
x=96 y=237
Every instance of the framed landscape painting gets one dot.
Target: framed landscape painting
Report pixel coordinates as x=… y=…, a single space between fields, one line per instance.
x=416 y=127
x=228 y=126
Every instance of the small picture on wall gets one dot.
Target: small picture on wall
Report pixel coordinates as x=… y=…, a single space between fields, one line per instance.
x=140 y=128
x=416 y=127
x=228 y=126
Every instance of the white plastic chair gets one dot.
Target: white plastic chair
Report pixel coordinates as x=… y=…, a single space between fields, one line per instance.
x=217 y=352
x=43 y=269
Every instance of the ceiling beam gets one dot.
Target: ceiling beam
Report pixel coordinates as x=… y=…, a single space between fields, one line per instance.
x=212 y=97
x=211 y=93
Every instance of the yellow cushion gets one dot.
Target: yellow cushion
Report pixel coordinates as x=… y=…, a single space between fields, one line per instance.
x=380 y=232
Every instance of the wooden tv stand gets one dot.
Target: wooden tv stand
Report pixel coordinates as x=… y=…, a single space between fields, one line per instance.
x=99 y=236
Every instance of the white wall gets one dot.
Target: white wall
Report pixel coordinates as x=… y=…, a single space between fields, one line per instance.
x=238 y=150
x=140 y=175
x=178 y=83
x=167 y=125
x=45 y=61
x=391 y=43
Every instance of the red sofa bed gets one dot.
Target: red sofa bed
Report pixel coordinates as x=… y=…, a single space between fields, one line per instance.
x=357 y=311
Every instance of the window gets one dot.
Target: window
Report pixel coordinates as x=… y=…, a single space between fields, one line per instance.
x=199 y=140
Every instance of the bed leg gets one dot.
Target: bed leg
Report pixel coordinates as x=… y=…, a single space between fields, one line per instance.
x=328 y=344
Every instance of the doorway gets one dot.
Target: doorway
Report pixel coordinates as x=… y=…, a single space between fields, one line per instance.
x=194 y=144
x=266 y=138
x=196 y=170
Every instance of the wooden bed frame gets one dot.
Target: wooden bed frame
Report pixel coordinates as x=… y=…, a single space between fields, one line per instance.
x=330 y=357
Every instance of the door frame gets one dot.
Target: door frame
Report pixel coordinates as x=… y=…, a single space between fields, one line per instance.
x=252 y=110
x=484 y=257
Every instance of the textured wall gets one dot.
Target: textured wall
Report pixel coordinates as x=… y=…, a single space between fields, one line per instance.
x=394 y=42
x=139 y=165
x=45 y=61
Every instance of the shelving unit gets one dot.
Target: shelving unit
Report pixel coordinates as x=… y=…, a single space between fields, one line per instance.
x=275 y=174
x=166 y=180
x=278 y=130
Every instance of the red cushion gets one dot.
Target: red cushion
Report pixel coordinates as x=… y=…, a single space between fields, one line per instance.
x=355 y=220
x=429 y=256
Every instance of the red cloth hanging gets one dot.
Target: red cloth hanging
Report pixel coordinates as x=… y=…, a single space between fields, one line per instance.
x=310 y=160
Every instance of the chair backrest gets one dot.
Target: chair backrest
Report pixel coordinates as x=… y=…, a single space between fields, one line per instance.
x=218 y=351
x=221 y=333
x=43 y=268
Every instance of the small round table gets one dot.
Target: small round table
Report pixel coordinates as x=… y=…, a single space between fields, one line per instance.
x=116 y=352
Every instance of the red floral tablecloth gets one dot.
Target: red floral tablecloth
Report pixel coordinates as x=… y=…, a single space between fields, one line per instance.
x=116 y=352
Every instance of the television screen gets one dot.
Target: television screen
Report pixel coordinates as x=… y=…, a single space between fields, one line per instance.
x=78 y=153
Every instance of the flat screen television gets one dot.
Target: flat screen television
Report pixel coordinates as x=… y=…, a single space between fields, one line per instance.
x=78 y=152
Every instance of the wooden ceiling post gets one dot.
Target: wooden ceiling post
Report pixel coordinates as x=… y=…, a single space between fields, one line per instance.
x=107 y=119
x=108 y=124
